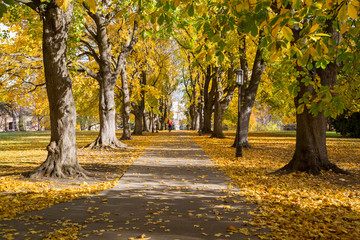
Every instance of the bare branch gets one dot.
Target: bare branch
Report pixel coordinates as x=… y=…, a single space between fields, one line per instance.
x=88 y=71
x=92 y=50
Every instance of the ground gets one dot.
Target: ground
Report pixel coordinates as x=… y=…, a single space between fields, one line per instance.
x=296 y=206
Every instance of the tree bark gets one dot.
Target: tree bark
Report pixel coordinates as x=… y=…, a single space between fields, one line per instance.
x=61 y=160
x=107 y=135
x=126 y=104
x=222 y=100
x=21 y=119
x=208 y=100
x=249 y=95
x=106 y=78
x=140 y=107
x=310 y=152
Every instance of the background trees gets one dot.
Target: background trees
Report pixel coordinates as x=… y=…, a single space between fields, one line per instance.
x=287 y=49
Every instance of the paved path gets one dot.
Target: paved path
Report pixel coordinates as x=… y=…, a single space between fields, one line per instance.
x=173 y=191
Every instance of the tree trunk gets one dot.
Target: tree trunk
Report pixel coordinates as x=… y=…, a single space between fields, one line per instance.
x=222 y=100
x=107 y=80
x=146 y=121
x=218 y=113
x=126 y=104
x=218 y=118
x=107 y=135
x=14 y=125
x=310 y=152
x=39 y=120
x=61 y=160
x=249 y=96
x=139 y=108
x=21 y=119
x=208 y=100
x=138 y=124
x=193 y=116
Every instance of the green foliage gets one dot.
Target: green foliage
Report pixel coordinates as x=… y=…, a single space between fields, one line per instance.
x=348 y=125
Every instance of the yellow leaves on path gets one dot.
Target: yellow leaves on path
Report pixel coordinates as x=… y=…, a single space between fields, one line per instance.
x=295 y=206
x=20 y=154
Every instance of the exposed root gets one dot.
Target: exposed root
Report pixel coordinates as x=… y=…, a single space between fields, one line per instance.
x=244 y=145
x=310 y=169
x=98 y=144
x=55 y=171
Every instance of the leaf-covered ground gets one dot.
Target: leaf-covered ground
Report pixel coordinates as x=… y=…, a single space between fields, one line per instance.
x=295 y=206
x=24 y=151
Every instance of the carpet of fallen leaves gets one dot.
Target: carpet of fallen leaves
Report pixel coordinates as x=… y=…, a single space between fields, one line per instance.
x=295 y=206
x=24 y=151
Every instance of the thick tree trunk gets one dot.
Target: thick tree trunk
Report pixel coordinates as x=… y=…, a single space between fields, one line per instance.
x=61 y=160
x=138 y=125
x=14 y=125
x=107 y=135
x=218 y=118
x=310 y=152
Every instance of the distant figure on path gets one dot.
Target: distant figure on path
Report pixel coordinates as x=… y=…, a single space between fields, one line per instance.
x=170 y=123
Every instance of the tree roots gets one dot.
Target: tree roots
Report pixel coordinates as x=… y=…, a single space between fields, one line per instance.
x=98 y=144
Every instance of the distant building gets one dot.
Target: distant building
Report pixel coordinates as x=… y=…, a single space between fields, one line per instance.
x=179 y=115
x=15 y=118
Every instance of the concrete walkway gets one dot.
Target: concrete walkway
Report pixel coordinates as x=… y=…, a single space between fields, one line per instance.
x=173 y=191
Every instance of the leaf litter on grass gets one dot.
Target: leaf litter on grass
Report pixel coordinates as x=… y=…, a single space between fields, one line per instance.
x=20 y=152
x=298 y=205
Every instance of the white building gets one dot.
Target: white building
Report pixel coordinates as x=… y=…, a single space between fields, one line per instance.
x=179 y=115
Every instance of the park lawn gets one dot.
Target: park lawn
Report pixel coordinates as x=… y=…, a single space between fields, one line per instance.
x=295 y=206
x=24 y=151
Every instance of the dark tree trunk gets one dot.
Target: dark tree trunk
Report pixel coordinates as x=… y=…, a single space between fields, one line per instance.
x=208 y=100
x=218 y=111
x=139 y=108
x=222 y=100
x=138 y=124
x=310 y=152
x=61 y=160
x=249 y=95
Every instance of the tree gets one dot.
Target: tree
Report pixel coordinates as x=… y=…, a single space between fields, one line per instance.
x=97 y=34
x=61 y=160
x=316 y=43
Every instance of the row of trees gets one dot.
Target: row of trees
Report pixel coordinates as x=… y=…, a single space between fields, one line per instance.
x=306 y=48
x=84 y=44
